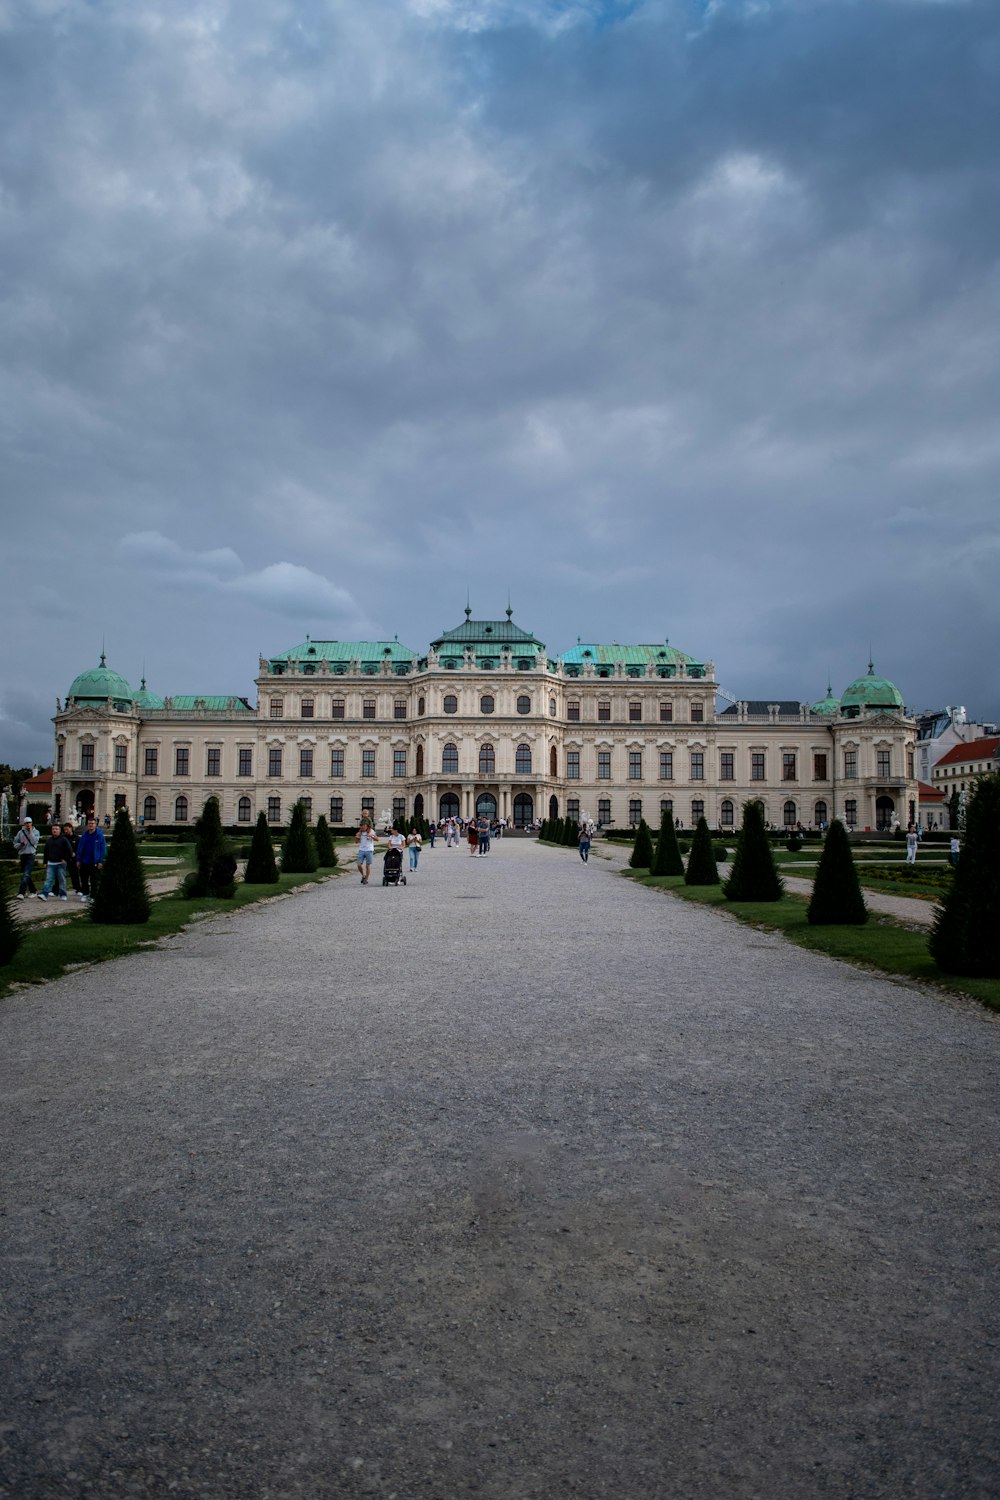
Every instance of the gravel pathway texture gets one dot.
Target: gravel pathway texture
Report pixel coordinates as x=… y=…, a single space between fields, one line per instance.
x=519 y=1181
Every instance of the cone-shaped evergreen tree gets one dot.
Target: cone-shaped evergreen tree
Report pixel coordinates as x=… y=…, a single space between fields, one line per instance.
x=262 y=867
x=701 y=868
x=753 y=876
x=836 y=895
x=325 y=851
x=965 y=938
x=122 y=895
x=299 y=854
x=11 y=935
x=642 y=851
x=215 y=866
x=572 y=834
x=667 y=859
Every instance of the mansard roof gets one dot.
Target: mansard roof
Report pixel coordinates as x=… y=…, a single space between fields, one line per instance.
x=343 y=651
x=488 y=634
x=659 y=654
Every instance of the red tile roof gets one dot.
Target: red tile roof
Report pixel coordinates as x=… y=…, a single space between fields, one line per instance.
x=974 y=750
x=40 y=785
x=929 y=793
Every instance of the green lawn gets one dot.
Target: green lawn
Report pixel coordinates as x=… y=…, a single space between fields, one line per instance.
x=881 y=944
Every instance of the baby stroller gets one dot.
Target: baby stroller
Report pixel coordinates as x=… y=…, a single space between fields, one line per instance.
x=392 y=868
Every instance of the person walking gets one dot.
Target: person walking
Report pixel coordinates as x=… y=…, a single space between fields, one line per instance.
x=366 y=841
x=26 y=846
x=954 y=849
x=91 y=852
x=911 y=845
x=473 y=837
x=432 y=833
x=58 y=853
x=584 y=842
x=72 y=869
x=413 y=842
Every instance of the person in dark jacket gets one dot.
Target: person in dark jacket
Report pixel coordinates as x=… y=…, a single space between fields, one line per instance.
x=91 y=852
x=72 y=871
x=58 y=853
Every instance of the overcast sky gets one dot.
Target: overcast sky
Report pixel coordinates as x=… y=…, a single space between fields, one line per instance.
x=676 y=318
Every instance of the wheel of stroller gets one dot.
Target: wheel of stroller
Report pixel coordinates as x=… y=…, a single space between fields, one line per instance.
x=385 y=880
x=402 y=880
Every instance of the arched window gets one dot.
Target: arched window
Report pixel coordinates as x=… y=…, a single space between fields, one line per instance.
x=524 y=706
x=420 y=760
x=820 y=814
x=789 y=814
x=486 y=703
x=450 y=703
x=449 y=760
x=244 y=810
x=421 y=705
x=487 y=760
x=522 y=759
x=181 y=810
x=726 y=818
x=553 y=762
x=149 y=809
x=552 y=708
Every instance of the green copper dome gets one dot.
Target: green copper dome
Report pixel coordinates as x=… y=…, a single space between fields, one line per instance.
x=145 y=699
x=828 y=707
x=98 y=685
x=870 y=692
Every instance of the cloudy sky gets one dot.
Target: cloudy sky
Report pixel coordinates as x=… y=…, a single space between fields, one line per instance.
x=674 y=318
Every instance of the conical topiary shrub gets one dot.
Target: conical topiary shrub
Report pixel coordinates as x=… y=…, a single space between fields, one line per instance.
x=326 y=853
x=299 y=854
x=836 y=895
x=262 y=867
x=11 y=935
x=571 y=837
x=642 y=851
x=965 y=938
x=753 y=876
x=667 y=859
x=122 y=895
x=215 y=866
x=701 y=867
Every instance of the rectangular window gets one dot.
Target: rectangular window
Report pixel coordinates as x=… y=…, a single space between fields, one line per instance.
x=603 y=711
x=697 y=810
x=305 y=763
x=573 y=808
x=368 y=806
x=213 y=763
x=604 y=765
x=182 y=763
x=60 y=755
x=635 y=765
x=307 y=808
x=727 y=765
x=337 y=708
x=635 y=710
x=882 y=763
x=909 y=765
x=697 y=765
x=788 y=770
x=604 y=809
x=666 y=765
x=336 y=762
x=399 y=763
x=399 y=811
x=336 y=809
x=399 y=708
x=850 y=812
x=308 y=709
x=274 y=809
x=666 y=806
x=666 y=713
x=635 y=811
x=277 y=708
x=573 y=711
x=245 y=764
x=151 y=759
x=757 y=765
x=850 y=765
x=819 y=766
x=573 y=765
x=368 y=762
x=274 y=763
x=86 y=757
x=368 y=708
x=121 y=760
x=697 y=713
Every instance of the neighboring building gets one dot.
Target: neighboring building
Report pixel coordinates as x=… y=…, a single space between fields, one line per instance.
x=933 y=806
x=486 y=721
x=940 y=729
x=37 y=789
x=958 y=770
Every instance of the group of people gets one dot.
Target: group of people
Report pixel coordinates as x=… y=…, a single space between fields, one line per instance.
x=66 y=852
x=366 y=838
x=457 y=829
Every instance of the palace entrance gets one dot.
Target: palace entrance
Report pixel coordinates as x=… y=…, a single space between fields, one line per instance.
x=524 y=811
x=486 y=806
x=885 y=813
x=449 y=806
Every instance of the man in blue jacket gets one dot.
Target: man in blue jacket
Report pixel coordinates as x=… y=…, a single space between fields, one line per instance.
x=91 y=852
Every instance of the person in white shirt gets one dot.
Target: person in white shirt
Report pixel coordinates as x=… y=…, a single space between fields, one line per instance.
x=413 y=841
x=911 y=845
x=366 y=841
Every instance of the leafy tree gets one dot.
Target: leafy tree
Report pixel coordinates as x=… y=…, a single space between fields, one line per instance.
x=701 y=869
x=836 y=895
x=965 y=938
x=326 y=852
x=122 y=896
x=262 y=867
x=753 y=876
x=11 y=935
x=299 y=854
x=13 y=781
x=667 y=860
x=215 y=866
x=954 y=804
x=642 y=852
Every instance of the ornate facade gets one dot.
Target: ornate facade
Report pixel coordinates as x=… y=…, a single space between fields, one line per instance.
x=486 y=721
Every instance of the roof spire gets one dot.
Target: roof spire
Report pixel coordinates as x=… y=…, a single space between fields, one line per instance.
x=509 y=610
x=468 y=606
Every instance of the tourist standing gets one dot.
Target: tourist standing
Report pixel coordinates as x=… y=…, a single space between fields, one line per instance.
x=25 y=846
x=473 y=837
x=911 y=845
x=483 y=830
x=58 y=853
x=413 y=843
x=584 y=842
x=954 y=851
x=432 y=833
x=72 y=869
x=366 y=841
x=91 y=852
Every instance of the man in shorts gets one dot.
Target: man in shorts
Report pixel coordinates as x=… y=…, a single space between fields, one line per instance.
x=366 y=841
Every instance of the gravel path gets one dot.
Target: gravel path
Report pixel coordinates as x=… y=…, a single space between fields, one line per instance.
x=518 y=1182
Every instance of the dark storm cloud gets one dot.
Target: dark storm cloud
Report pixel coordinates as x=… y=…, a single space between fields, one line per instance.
x=678 y=319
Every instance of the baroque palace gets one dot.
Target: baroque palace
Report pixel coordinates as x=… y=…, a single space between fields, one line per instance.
x=487 y=721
